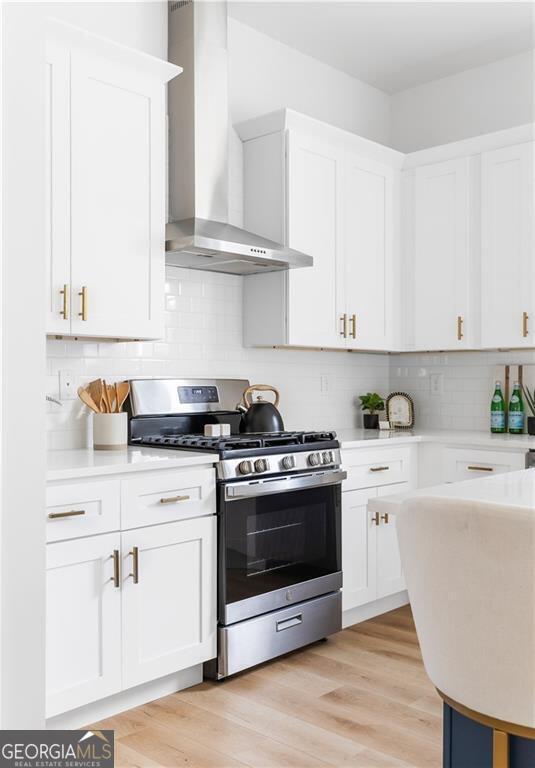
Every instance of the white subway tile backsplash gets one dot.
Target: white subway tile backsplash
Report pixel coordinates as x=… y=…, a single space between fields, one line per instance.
x=203 y=337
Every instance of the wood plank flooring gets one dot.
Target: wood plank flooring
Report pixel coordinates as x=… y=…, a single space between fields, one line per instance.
x=360 y=700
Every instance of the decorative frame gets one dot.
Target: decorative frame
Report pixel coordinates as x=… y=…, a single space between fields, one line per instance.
x=396 y=424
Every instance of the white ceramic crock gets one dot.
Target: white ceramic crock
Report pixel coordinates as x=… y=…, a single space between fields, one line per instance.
x=110 y=431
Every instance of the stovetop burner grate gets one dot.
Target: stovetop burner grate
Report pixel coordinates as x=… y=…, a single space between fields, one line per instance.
x=241 y=442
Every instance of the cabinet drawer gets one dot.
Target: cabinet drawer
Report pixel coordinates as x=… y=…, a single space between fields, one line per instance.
x=169 y=496
x=82 y=509
x=467 y=464
x=371 y=469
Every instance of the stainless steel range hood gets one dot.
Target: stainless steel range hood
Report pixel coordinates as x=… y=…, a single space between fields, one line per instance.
x=199 y=235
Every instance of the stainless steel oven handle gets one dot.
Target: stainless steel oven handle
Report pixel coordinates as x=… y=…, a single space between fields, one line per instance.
x=283 y=484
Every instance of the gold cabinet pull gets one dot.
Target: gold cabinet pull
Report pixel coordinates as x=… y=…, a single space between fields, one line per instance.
x=343 y=320
x=525 y=318
x=378 y=469
x=385 y=517
x=173 y=499
x=83 y=294
x=135 y=564
x=481 y=469
x=376 y=518
x=460 y=334
x=70 y=513
x=65 y=293
x=116 y=578
x=353 y=326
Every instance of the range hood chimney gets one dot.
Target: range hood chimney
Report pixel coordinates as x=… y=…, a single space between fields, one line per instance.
x=199 y=235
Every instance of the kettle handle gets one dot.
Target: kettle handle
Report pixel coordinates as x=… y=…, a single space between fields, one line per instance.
x=247 y=399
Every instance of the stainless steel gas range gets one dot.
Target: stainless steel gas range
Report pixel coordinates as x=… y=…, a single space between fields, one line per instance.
x=279 y=518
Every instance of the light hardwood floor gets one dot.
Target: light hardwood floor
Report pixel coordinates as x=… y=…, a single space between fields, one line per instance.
x=360 y=700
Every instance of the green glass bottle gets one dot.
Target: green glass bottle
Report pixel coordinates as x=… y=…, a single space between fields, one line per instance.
x=497 y=410
x=516 y=411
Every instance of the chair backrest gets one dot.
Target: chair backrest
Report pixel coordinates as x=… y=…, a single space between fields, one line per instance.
x=470 y=571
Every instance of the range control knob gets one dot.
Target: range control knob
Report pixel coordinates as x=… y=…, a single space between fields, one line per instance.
x=327 y=457
x=245 y=467
x=314 y=459
x=288 y=462
x=261 y=465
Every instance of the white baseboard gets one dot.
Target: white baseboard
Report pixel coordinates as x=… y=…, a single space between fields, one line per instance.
x=133 y=697
x=376 y=608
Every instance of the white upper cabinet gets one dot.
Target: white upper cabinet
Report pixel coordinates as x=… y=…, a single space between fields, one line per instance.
x=441 y=258
x=333 y=196
x=507 y=272
x=107 y=139
x=368 y=216
x=313 y=174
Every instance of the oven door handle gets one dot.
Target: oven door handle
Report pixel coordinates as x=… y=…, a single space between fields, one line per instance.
x=283 y=484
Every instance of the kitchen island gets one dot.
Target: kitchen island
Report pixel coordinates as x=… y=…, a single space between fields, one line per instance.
x=515 y=489
x=467 y=551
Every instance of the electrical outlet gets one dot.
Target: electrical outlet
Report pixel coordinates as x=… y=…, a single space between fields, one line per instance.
x=67 y=385
x=324 y=383
x=436 y=383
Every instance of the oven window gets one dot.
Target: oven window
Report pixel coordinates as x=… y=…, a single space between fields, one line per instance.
x=275 y=541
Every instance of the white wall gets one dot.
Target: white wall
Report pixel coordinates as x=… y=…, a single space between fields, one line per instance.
x=22 y=369
x=141 y=25
x=480 y=100
x=266 y=75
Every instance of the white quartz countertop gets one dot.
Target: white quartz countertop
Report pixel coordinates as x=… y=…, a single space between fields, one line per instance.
x=358 y=438
x=68 y=464
x=514 y=489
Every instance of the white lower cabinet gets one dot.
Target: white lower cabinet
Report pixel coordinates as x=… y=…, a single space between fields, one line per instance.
x=169 y=598
x=125 y=608
x=371 y=563
x=359 y=556
x=83 y=622
x=390 y=577
x=470 y=463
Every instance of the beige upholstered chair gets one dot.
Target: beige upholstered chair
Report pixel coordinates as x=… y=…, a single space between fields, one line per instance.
x=470 y=571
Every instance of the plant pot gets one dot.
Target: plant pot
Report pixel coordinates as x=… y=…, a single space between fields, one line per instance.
x=531 y=425
x=371 y=420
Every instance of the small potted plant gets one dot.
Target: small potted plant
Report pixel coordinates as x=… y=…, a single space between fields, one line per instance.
x=372 y=403
x=530 y=400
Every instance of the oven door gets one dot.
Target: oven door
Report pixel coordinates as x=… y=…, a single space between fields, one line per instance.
x=279 y=542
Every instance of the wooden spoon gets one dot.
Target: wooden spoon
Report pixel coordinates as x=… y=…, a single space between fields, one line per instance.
x=111 y=397
x=123 y=390
x=86 y=398
x=96 y=391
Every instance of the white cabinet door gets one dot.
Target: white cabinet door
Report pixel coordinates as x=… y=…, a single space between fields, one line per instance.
x=367 y=204
x=390 y=577
x=58 y=272
x=169 y=615
x=83 y=622
x=507 y=247
x=313 y=228
x=359 y=534
x=117 y=199
x=441 y=312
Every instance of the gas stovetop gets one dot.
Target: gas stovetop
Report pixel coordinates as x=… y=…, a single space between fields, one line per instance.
x=173 y=414
x=249 y=442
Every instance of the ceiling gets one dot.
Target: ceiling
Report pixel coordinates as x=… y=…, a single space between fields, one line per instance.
x=395 y=45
